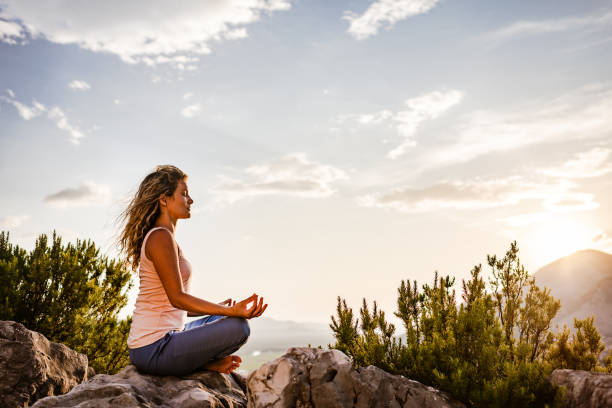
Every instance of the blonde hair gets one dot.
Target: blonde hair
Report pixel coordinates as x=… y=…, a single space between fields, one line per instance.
x=143 y=209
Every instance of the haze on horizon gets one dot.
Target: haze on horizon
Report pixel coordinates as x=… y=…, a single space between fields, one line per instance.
x=332 y=148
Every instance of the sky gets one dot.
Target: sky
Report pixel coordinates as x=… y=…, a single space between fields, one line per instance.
x=333 y=148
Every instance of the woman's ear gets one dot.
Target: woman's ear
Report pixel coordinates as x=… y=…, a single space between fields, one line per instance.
x=162 y=200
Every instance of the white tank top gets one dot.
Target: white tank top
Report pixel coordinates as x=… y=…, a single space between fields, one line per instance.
x=154 y=315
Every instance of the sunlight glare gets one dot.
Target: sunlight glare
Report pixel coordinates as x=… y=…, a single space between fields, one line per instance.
x=559 y=238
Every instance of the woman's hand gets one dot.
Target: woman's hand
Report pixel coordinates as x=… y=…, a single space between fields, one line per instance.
x=229 y=302
x=240 y=309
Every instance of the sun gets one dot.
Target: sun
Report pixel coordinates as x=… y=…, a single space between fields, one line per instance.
x=557 y=238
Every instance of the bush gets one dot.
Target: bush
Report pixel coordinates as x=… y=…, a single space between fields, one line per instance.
x=490 y=349
x=71 y=294
x=582 y=351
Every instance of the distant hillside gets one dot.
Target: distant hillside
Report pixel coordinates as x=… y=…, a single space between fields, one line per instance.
x=275 y=335
x=583 y=282
x=271 y=338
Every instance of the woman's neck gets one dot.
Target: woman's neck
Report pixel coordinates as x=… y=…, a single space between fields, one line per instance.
x=167 y=222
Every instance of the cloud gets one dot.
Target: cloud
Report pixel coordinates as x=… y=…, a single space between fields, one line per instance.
x=526 y=28
x=521 y=220
x=188 y=96
x=419 y=109
x=587 y=164
x=603 y=240
x=55 y=114
x=87 y=194
x=152 y=31
x=554 y=196
x=292 y=174
x=236 y=34
x=13 y=221
x=592 y=163
x=385 y=11
x=367 y=118
x=78 y=85
x=580 y=114
x=180 y=62
x=11 y=32
x=191 y=110
x=59 y=117
x=552 y=190
x=25 y=111
x=588 y=44
x=460 y=195
x=571 y=202
x=542 y=191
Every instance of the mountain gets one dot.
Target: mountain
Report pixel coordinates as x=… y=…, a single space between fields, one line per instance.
x=583 y=282
x=270 y=338
x=275 y=335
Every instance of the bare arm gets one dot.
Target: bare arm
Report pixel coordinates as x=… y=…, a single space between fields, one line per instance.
x=161 y=250
x=228 y=302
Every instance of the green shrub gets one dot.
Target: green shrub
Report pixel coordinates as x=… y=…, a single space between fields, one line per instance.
x=490 y=349
x=71 y=294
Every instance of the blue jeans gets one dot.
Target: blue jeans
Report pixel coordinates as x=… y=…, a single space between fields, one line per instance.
x=201 y=341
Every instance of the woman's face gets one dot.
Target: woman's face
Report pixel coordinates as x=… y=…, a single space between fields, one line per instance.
x=178 y=204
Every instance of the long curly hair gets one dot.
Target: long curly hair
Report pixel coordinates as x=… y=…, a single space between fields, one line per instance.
x=143 y=209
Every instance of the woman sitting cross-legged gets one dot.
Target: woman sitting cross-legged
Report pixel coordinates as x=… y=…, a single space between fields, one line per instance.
x=159 y=341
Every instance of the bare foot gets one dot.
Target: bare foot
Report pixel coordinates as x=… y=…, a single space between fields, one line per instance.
x=224 y=365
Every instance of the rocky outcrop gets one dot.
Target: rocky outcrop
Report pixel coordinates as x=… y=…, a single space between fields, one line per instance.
x=32 y=367
x=129 y=388
x=310 y=377
x=304 y=377
x=584 y=389
x=36 y=371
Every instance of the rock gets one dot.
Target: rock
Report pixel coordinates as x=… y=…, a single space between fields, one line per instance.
x=584 y=389
x=129 y=388
x=33 y=367
x=310 y=377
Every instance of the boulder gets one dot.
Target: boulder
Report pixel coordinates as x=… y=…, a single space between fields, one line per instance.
x=310 y=377
x=32 y=367
x=584 y=389
x=129 y=388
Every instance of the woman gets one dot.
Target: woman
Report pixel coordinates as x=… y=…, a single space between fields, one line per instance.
x=159 y=341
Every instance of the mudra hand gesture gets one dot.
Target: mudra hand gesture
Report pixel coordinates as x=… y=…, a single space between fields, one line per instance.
x=241 y=308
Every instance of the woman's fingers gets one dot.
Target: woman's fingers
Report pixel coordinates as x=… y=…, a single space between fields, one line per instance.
x=260 y=311
x=255 y=310
x=248 y=300
x=254 y=300
x=256 y=306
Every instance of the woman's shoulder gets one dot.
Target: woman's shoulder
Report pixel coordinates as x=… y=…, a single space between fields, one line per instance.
x=158 y=239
